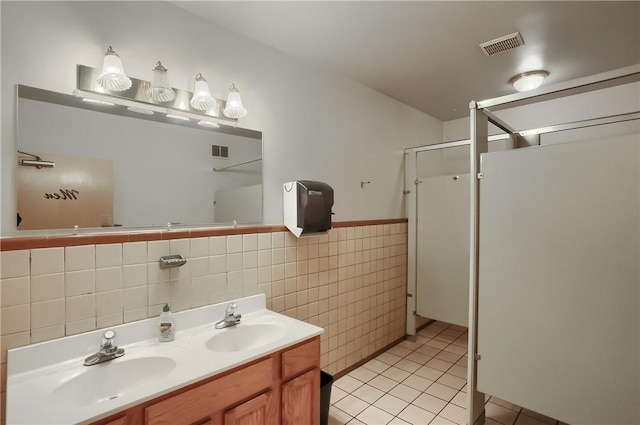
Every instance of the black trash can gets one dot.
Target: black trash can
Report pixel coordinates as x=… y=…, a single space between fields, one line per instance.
x=325 y=396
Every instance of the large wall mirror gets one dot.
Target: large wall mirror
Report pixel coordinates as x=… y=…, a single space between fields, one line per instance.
x=115 y=167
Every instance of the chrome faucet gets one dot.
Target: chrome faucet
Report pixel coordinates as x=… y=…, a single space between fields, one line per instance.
x=230 y=317
x=108 y=350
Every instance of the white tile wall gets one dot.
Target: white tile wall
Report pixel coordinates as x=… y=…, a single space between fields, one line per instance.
x=79 y=258
x=47 y=261
x=108 y=255
x=15 y=291
x=351 y=282
x=134 y=253
x=14 y=264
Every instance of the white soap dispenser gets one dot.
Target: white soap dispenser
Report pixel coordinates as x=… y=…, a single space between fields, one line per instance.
x=167 y=325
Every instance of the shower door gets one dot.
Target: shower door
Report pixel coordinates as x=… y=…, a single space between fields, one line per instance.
x=442 y=257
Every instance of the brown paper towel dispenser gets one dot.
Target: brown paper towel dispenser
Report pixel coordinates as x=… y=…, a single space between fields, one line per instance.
x=307 y=207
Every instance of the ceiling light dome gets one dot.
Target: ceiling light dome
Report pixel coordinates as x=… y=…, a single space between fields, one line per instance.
x=529 y=80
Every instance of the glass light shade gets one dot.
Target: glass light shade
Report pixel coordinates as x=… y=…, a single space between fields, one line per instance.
x=234 y=108
x=201 y=98
x=529 y=80
x=113 y=76
x=160 y=90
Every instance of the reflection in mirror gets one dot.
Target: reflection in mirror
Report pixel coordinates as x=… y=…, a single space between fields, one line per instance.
x=116 y=167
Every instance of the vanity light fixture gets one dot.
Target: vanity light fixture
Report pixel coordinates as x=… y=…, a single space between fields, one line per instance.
x=178 y=117
x=113 y=76
x=97 y=102
x=529 y=80
x=201 y=98
x=160 y=90
x=206 y=123
x=140 y=110
x=234 y=108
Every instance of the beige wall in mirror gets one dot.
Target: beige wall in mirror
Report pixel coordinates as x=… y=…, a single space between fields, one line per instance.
x=163 y=170
x=76 y=192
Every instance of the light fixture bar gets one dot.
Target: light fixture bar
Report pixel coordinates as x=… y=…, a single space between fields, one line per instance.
x=87 y=77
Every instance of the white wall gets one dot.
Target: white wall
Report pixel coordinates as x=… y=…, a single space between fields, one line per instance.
x=595 y=104
x=316 y=126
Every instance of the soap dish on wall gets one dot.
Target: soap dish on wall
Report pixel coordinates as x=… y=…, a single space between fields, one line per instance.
x=169 y=261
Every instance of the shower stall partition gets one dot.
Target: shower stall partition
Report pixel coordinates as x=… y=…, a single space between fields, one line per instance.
x=555 y=268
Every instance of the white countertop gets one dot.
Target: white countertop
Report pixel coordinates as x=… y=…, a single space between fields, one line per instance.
x=47 y=383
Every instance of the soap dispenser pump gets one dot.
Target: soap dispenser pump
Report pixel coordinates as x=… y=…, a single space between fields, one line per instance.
x=167 y=325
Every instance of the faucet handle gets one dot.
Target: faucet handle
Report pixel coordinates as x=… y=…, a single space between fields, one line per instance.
x=231 y=309
x=108 y=340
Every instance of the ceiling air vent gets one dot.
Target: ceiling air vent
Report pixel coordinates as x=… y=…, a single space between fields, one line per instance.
x=502 y=44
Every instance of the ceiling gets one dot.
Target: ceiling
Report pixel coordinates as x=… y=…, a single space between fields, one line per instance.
x=425 y=53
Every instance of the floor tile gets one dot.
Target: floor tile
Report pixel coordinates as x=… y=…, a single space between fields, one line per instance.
x=459 y=371
x=528 y=420
x=348 y=383
x=416 y=416
x=409 y=345
x=451 y=348
x=408 y=365
x=383 y=383
x=460 y=399
x=429 y=373
x=454 y=413
x=439 y=364
x=448 y=356
x=417 y=382
x=398 y=421
x=337 y=394
x=396 y=374
x=505 y=403
x=374 y=416
x=429 y=403
x=399 y=351
x=436 y=344
x=439 y=420
x=452 y=381
x=363 y=374
x=337 y=416
x=500 y=414
x=391 y=404
x=368 y=393
x=351 y=405
x=388 y=358
x=418 y=358
x=427 y=350
x=538 y=416
x=445 y=338
x=354 y=421
x=376 y=366
x=405 y=393
x=441 y=391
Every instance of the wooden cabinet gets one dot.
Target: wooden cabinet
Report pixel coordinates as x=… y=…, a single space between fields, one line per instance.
x=260 y=410
x=282 y=388
x=296 y=397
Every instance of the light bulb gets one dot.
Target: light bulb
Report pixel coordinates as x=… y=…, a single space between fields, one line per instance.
x=234 y=108
x=113 y=76
x=160 y=91
x=201 y=98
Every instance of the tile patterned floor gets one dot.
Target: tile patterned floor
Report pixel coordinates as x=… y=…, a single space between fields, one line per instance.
x=419 y=383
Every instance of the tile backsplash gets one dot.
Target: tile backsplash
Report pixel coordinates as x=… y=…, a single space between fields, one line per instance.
x=351 y=282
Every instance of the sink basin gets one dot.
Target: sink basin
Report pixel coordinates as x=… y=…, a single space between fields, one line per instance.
x=245 y=337
x=111 y=380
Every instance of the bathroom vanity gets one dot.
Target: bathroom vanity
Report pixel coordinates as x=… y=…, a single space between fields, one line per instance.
x=264 y=370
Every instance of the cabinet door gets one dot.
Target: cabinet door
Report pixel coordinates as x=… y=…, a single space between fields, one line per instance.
x=259 y=410
x=119 y=421
x=301 y=399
